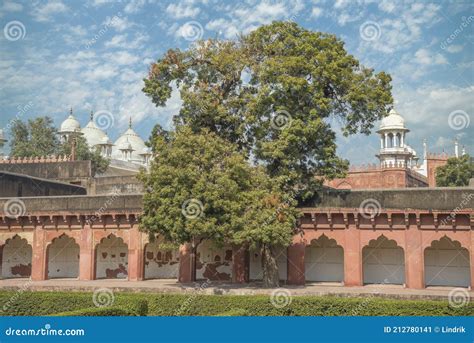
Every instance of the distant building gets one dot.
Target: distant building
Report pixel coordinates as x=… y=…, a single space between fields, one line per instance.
x=399 y=165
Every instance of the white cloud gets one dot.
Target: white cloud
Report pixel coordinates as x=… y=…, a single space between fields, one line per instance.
x=454 y=48
x=45 y=13
x=316 y=12
x=424 y=56
x=134 y=6
x=184 y=9
x=119 y=23
x=9 y=6
x=122 y=58
x=121 y=41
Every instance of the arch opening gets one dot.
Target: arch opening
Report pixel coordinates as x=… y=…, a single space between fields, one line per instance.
x=16 y=255
x=383 y=262
x=447 y=263
x=111 y=258
x=160 y=263
x=63 y=258
x=213 y=263
x=324 y=261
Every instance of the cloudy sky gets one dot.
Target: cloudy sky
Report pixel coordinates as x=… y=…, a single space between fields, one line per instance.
x=93 y=55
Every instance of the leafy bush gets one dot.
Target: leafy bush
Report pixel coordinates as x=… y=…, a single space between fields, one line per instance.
x=142 y=304
x=96 y=312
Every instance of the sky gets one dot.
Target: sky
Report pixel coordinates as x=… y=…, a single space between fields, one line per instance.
x=94 y=54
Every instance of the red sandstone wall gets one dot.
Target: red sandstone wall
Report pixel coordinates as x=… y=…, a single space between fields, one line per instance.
x=433 y=163
x=373 y=179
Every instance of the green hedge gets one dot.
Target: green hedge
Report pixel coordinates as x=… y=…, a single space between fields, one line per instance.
x=48 y=303
x=96 y=312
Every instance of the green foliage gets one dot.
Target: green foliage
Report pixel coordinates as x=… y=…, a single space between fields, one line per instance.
x=99 y=164
x=457 y=172
x=233 y=201
x=96 y=312
x=37 y=137
x=48 y=303
x=80 y=303
x=245 y=91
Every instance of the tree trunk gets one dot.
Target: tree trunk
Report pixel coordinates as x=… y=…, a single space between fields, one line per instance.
x=270 y=267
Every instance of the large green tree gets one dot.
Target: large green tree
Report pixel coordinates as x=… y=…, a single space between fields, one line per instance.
x=38 y=137
x=271 y=93
x=456 y=172
x=200 y=187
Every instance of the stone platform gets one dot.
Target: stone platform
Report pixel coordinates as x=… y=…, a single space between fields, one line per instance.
x=203 y=287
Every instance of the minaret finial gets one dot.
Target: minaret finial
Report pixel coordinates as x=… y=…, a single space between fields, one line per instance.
x=130 y=123
x=70 y=111
x=92 y=115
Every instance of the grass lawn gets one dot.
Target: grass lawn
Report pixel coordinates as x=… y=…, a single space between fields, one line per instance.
x=28 y=303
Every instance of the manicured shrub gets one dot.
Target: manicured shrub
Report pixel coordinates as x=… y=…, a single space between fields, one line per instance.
x=142 y=304
x=96 y=312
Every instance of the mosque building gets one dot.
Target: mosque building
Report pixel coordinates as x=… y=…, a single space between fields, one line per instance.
x=129 y=149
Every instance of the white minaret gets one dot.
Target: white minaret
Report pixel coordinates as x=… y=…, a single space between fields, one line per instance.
x=456 y=148
x=394 y=152
x=2 y=143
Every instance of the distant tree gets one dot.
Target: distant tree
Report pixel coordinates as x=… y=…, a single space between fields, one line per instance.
x=38 y=137
x=99 y=164
x=456 y=172
x=200 y=187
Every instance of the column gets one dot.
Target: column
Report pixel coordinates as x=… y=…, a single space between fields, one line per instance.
x=414 y=257
x=295 y=257
x=240 y=264
x=135 y=255
x=39 y=259
x=402 y=138
x=87 y=254
x=186 y=264
x=386 y=140
x=381 y=142
x=352 y=257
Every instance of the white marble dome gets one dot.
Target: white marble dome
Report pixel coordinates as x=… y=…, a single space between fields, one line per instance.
x=129 y=139
x=392 y=121
x=93 y=135
x=71 y=124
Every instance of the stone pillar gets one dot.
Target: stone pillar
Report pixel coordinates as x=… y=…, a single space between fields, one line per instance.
x=87 y=254
x=352 y=257
x=386 y=140
x=402 y=138
x=295 y=256
x=240 y=265
x=186 y=262
x=381 y=142
x=414 y=258
x=135 y=255
x=39 y=259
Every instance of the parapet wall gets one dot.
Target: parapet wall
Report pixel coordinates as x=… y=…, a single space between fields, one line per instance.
x=60 y=169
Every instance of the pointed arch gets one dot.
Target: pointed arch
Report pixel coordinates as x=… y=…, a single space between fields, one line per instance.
x=383 y=262
x=160 y=263
x=324 y=260
x=111 y=258
x=447 y=263
x=15 y=258
x=63 y=258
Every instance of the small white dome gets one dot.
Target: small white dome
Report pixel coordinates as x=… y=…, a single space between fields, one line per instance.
x=71 y=124
x=106 y=140
x=393 y=121
x=93 y=135
x=132 y=139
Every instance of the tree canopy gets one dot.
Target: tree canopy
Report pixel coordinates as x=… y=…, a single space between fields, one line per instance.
x=456 y=172
x=271 y=93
